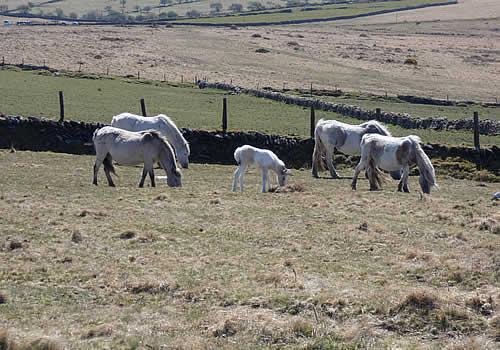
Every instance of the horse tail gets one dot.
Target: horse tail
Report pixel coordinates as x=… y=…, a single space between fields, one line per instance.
x=319 y=149
x=375 y=175
x=427 y=178
x=108 y=164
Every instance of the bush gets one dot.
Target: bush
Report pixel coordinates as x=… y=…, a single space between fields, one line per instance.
x=411 y=61
x=236 y=7
x=255 y=5
x=172 y=14
x=193 y=14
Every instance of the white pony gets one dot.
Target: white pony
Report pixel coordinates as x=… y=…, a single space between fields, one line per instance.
x=265 y=160
x=393 y=153
x=331 y=134
x=132 y=148
x=161 y=123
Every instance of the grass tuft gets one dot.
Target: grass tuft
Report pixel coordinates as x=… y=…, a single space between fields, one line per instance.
x=99 y=331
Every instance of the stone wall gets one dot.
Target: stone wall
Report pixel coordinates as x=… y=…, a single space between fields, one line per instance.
x=404 y=120
x=38 y=134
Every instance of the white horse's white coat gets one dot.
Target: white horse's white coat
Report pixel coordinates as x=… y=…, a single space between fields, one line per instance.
x=132 y=148
x=264 y=159
x=161 y=123
x=346 y=138
x=392 y=154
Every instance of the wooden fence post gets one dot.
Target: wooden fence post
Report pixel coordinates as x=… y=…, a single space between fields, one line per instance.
x=61 y=107
x=477 y=146
x=224 y=114
x=3 y=61
x=143 y=108
x=312 y=122
x=107 y=70
x=377 y=113
x=138 y=75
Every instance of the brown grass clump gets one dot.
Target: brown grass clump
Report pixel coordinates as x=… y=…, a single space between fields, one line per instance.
x=411 y=61
x=14 y=244
x=3 y=299
x=302 y=328
x=228 y=329
x=262 y=50
x=127 y=235
x=98 y=331
x=419 y=301
x=151 y=287
x=76 y=237
x=288 y=189
x=256 y=35
x=41 y=343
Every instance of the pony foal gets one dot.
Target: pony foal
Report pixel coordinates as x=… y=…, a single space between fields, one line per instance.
x=392 y=153
x=265 y=160
x=132 y=148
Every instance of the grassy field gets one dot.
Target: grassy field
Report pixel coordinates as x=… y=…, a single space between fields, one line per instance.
x=392 y=104
x=82 y=7
x=323 y=12
x=31 y=93
x=200 y=267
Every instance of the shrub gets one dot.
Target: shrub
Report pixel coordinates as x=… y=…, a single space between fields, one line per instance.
x=193 y=13
x=411 y=61
x=236 y=7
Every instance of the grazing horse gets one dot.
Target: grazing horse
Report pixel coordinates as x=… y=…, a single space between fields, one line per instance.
x=264 y=159
x=393 y=153
x=161 y=123
x=331 y=134
x=132 y=148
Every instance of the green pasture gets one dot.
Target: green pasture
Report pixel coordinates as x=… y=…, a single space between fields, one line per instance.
x=97 y=99
x=392 y=104
x=326 y=11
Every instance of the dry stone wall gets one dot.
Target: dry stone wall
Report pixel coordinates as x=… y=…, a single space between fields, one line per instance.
x=404 y=120
x=39 y=134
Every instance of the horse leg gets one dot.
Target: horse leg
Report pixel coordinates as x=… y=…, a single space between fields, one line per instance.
x=143 y=176
x=236 y=177
x=97 y=164
x=242 y=177
x=329 y=163
x=99 y=160
x=357 y=170
x=264 y=180
x=152 y=177
x=404 y=179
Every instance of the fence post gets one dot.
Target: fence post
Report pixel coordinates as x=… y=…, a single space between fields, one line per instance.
x=107 y=70
x=477 y=146
x=182 y=78
x=138 y=75
x=143 y=108
x=3 y=61
x=61 y=107
x=312 y=122
x=224 y=115
x=377 y=114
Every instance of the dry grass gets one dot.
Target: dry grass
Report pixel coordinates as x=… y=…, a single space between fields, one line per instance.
x=324 y=267
x=449 y=57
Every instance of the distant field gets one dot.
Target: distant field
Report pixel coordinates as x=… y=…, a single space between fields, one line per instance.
x=200 y=267
x=82 y=7
x=323 y=12
x=29 y=93
x=203 y=6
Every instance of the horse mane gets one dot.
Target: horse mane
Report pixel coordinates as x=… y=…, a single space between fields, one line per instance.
x=373 y=124
x=178 y=134
x=414 y=138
